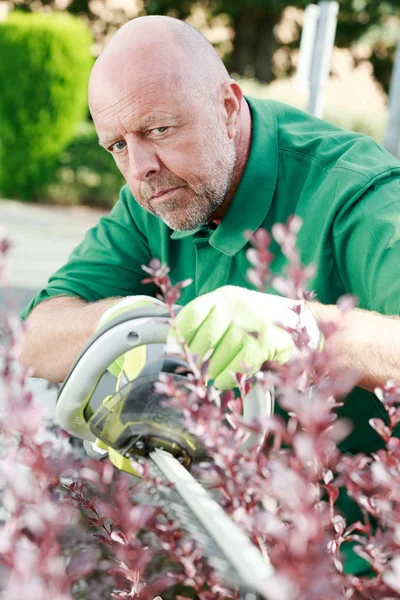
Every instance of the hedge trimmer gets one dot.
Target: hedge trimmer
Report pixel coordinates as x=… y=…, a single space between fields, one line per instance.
x=135 y=423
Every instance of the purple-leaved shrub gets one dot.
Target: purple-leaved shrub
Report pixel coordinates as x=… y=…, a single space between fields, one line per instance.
x=72 y=527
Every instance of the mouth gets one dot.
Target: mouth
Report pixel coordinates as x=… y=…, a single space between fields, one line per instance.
x=163 y=195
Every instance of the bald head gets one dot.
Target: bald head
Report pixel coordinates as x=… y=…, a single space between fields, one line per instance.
x=163 y=104
x=159 y=42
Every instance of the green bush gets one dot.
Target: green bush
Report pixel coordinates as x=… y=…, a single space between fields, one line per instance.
x=85 y=173
x=44 y=69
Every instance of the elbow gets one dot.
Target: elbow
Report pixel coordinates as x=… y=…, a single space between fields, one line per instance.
x=27 y=352
x=34 y=364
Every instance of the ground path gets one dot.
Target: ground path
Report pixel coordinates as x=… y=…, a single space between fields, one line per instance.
x=42 y=238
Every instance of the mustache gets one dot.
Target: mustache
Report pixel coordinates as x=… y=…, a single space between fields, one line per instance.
x=149 y=189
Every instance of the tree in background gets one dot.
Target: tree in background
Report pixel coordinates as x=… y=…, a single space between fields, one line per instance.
x=255 y=24
x=376 y=24
x=379 y=38
x=102 y=16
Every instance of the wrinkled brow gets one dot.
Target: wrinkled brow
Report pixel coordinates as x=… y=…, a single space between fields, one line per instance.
x=145 y=123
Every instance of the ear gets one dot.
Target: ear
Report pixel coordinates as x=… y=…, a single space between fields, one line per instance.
x=232 y=100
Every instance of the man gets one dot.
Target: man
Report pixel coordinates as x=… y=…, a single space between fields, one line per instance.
x=202 y=165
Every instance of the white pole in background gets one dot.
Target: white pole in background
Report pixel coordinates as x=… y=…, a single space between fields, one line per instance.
x=323 y=47
x=392 y=137
x=307 y=43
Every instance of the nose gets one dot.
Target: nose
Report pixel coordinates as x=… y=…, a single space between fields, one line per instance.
x=143 y=160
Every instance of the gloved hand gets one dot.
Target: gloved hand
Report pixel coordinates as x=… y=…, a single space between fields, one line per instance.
x=223 y=320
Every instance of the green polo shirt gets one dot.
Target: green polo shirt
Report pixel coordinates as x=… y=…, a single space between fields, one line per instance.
x=344 y=186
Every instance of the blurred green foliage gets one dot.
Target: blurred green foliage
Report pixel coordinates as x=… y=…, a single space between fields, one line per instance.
x=254 y=23
x=255 y=42
x=44 y=69
x=382 y=41
x=376 y=24
x=85 y=173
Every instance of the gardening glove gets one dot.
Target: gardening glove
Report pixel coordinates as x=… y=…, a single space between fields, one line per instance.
x=223 y=320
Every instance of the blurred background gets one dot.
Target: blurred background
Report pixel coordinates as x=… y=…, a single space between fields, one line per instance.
x=44 y=65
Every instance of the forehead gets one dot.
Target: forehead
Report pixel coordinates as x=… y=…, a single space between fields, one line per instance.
x=131 y=81
x=134 y=100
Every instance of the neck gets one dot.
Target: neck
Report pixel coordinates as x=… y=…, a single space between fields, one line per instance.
x=243 y=145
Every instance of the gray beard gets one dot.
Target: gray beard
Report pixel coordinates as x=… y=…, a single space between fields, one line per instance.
x=197 y=213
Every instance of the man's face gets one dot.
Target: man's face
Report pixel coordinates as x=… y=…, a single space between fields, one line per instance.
x=172 y=148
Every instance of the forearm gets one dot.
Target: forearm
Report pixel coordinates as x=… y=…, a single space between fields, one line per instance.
x=365 y=341
x=57 y=330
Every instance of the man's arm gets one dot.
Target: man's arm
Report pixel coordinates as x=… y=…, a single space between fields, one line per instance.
x=365 y=341
x=57 y=330
x=101 y=270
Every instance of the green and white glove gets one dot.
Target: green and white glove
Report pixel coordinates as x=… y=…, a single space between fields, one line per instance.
x=223 y=320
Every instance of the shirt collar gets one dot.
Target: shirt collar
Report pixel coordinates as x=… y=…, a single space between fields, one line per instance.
x=253 y=196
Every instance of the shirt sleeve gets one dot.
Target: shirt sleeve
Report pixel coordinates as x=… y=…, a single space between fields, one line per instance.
x=106 y=264
x=367 y=246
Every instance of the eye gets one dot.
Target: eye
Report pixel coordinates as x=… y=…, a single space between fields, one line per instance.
x=158 y=130
x=118 y=147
